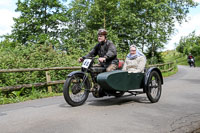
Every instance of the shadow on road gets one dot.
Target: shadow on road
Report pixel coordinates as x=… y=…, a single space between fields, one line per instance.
x=110 y=101
x=127 y=99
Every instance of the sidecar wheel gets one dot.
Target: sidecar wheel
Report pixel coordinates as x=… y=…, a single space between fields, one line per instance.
x=75 y=90
x=154 y=87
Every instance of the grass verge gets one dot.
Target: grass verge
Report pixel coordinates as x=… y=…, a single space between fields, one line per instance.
x=16 y=99
x=167 y=74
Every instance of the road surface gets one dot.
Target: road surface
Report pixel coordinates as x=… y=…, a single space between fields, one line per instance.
x=178 y=111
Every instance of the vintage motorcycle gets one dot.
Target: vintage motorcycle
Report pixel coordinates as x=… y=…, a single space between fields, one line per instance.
x=191 y=62
x=95 y=79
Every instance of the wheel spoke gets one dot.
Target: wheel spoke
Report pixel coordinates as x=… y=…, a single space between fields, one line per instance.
x=77 y=89
x=154 y=87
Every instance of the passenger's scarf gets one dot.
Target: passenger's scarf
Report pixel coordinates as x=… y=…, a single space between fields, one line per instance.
x=138 y=53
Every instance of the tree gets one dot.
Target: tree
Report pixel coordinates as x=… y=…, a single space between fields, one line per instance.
x=189 y=44
x=40 y=20
x=86 y=17
x=148 y=24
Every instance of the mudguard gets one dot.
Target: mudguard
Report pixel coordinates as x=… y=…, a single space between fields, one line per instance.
x=75 y=72
x=81 y=73
x=147 y=74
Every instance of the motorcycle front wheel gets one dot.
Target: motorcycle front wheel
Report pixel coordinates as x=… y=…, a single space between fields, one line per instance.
x=76 y=89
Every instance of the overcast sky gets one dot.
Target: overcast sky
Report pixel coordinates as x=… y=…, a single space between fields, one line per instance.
x=7 y=12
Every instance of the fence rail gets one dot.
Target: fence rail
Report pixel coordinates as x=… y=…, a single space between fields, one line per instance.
x=37 y=69
x=166 y=67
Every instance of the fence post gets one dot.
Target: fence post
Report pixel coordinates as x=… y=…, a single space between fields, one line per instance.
x=48 y=78
x=164 y=67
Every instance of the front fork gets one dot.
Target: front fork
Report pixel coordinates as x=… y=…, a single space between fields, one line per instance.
x=85 y=80
x=94 y=82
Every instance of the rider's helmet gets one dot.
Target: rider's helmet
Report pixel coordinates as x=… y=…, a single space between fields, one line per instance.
x=102 y=32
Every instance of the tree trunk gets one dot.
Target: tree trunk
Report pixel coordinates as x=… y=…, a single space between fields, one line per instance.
x=104 y=20
x=45 y=17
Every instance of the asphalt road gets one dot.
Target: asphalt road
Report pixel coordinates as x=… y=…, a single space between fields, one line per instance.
x=178 y=111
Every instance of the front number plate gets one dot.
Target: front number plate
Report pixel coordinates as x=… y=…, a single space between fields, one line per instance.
x=86 y=63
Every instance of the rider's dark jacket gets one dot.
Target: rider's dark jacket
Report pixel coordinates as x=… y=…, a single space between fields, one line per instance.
x=105 y=49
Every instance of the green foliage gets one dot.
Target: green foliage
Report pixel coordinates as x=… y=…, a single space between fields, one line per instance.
x=148 y=24
x=179 y=58
x=174 y=71
x=33 y=56
x=154 y=57
x=13 y=98
x=40 y=20
x=189 y=44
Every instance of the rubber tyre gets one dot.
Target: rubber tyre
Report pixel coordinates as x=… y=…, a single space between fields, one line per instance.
x=157 y=77
x=66 y=91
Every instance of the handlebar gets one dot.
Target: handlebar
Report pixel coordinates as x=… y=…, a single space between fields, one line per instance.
x=92 y=58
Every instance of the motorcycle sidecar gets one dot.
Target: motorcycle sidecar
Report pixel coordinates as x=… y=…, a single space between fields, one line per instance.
x=150 y=82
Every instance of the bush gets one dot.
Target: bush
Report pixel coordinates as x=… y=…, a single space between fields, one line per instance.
x=33 y=56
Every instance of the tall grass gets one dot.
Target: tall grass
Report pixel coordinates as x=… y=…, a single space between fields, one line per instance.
x=16 y=96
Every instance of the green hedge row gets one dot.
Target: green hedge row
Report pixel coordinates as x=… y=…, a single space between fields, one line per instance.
x=34 y=56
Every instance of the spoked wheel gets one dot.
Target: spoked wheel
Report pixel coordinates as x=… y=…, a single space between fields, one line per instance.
x=76 y=89
x=154 y=87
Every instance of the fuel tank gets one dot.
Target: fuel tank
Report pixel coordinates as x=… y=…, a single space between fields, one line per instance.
x=120 y=80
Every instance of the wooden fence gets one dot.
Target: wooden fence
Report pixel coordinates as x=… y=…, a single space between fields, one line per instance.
x=166 y=67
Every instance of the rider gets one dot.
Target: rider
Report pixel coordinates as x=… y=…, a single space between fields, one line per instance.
x=106 y=51
x=190 y=59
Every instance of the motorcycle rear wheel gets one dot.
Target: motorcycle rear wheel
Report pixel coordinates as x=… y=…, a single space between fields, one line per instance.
x=76 y=90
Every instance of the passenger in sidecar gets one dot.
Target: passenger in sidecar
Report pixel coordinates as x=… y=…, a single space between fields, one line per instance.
x=135 y=61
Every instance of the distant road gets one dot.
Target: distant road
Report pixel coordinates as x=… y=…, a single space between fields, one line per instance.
x=178 y=111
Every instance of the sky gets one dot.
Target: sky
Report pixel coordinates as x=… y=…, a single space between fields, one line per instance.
x=7 y=12
x=186 y=28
